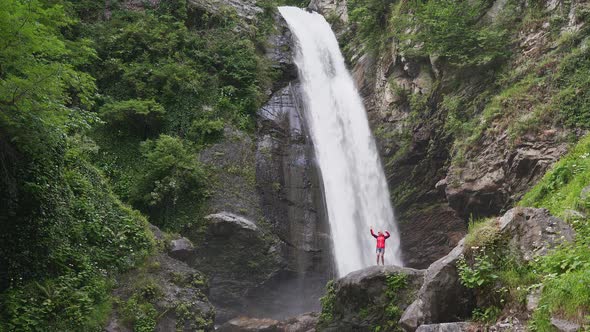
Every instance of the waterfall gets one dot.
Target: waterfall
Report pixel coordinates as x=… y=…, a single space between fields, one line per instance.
x=354 y=184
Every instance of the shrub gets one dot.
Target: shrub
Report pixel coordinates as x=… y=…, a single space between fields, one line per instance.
x=480 y=274
x=173 y=177
x=140 y=117
x=206 y=130
x=450 y=29
x=327 y=301
x=482 y=233
x=573 y=99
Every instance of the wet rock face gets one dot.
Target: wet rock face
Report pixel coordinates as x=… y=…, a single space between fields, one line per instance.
x=238 y=256
x=364 y=297
x=279 y=52
x=292 y=203
x=498 y=175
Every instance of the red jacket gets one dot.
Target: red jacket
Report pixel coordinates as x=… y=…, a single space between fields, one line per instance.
x=380 y=239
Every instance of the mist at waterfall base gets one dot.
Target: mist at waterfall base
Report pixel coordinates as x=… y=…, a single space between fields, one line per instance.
x=355 y=186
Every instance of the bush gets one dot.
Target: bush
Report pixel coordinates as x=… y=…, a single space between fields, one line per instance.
x=482 y=233
x=206 y=131
x=573 y=99
x=450 y=29
x=140 y=117
x=327 y=301
x=172 y=178
x=480 y=274
x=70 y=302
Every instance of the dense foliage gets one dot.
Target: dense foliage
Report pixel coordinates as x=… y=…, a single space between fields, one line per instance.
x=62 y=232
x=102 y=106
x=446 y=28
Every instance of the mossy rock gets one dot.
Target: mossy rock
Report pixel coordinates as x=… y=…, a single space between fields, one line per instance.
x=372 y=298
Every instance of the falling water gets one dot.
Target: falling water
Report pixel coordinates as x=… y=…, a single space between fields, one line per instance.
x=355 y=187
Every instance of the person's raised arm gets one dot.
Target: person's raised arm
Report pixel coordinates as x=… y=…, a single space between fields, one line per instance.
x=375 y=236
x=387 y=235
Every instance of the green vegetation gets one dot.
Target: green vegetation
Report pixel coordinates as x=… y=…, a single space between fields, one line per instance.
x=395 y=284
x=565 y=271
x=451 y=29
x=63 y=232
x=447 y=28
x=503 y=281
x=100 y=108
x=327 y=301
x=173 y=181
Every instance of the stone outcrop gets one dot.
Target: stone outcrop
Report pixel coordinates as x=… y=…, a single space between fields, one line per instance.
x=302 y=323
x=532 y=232
x=331 y=9
x=237 y=256
x=441 y=297
x=180 y=248
x=449 y=327
x=177 y=292
x=500 y=174
x=368 y=297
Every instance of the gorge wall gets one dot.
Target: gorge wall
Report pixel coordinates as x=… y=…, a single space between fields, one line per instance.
x=440 y=176
x=267 y=248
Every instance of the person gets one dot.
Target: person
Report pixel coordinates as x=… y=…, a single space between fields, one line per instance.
x=380 y=244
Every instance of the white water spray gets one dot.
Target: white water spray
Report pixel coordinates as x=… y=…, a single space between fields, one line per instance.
x=355 y=187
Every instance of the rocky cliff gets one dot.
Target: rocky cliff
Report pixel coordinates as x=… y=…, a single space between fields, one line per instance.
x=266 y=245
x=460 y=141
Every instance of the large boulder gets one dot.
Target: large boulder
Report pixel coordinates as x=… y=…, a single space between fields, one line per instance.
x=302 y=323
x=238 y=256
x=177 y=292
x=449 y=327
x=180 y=248
x=532 y=232
x=441 y=298
x=247 y=324
x=371 y=297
